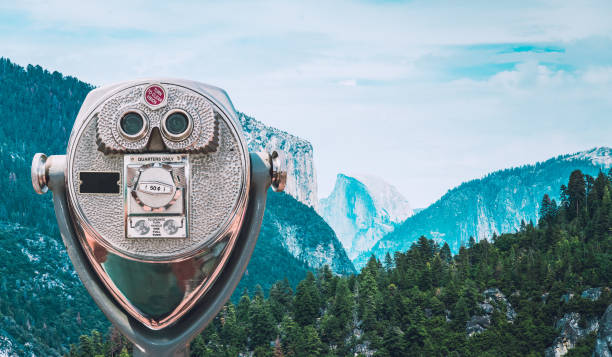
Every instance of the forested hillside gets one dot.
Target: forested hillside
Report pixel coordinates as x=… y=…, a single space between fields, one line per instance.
x=496 y=203
x=539 y=291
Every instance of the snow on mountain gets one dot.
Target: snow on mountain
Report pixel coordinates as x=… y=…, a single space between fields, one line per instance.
x=387 y=198
x=301 y=176
x=363 y=210
x=601 y=156
x=496 y=203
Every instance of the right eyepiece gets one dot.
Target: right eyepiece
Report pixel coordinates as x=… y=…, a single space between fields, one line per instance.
x=176 y=125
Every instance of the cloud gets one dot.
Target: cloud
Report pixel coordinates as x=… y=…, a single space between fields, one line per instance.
x=530 y=74
x=348 y=83
x=598 y=75
x=433 y=92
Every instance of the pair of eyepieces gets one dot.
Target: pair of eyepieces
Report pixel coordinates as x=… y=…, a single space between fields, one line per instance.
x=176 y=125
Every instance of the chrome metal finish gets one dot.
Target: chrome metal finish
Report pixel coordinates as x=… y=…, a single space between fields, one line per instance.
x=163 y=252
x=182 y=135
x=278 y=170
x=170 y=340
x=38 y=173
x=145 y=125
x=124 y=250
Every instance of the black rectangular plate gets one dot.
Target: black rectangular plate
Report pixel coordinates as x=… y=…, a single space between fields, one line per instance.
x=99 y=182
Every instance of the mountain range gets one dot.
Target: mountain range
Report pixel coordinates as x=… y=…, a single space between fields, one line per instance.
x=494 y=204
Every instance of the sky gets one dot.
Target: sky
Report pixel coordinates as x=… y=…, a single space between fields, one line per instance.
x=424 y=94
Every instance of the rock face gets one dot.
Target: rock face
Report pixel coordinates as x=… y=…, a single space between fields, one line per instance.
x=494 y=204
x=493 y=299
x=571 y=332
x=477 y=324
x=496 y=298
x=305 y=235
x=301 y=176
x=592 y=294
x=362 y=210
x=603 y=345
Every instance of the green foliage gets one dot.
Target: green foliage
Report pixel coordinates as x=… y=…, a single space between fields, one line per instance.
x=419 y=301
x=307 y=301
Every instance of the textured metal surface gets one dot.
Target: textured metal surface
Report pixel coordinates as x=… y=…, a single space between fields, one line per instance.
x=217 y=179
x=38 y=173
x=159 y=292
x=159 y=279
x=203 y=137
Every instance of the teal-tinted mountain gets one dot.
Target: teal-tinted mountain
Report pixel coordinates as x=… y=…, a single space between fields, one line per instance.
x=293 y=240
x=43 y=306
x=363 y=209
x=496 y=203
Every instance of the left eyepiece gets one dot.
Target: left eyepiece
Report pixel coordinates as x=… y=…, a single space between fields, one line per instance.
x=133 y=125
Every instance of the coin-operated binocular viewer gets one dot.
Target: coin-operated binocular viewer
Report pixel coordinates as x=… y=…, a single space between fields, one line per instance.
x=159 y=204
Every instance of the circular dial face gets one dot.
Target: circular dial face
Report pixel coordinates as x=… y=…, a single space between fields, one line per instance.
x=155 y=187
x=216 y=173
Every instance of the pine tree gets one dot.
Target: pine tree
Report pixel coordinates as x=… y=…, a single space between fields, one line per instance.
x=86 y=348
x=389 y=264
x=545 y=208
x=243 y=307
x=336 y=323
x=281 y=296
x=232 y=332
x=263 y=327
x=445 y=253
x=307 y=301
x=325 y=282
x=124 y=352
x=576 y=190
x=370 y=301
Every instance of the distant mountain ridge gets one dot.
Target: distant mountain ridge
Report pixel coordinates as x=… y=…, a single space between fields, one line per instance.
x=495 y=203
x=363 y=209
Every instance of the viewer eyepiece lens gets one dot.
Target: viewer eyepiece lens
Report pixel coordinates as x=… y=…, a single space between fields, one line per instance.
x=177 y=125
x=132 y=124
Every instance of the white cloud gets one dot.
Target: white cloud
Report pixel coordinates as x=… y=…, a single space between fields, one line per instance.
x=348 y=83
x=598 y=75
x=395 y=82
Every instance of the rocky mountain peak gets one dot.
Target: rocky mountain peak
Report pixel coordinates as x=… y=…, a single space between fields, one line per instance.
x=301 y=175
x=363 y=209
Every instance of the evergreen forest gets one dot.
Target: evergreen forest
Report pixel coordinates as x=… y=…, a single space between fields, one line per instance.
x=497 y=297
